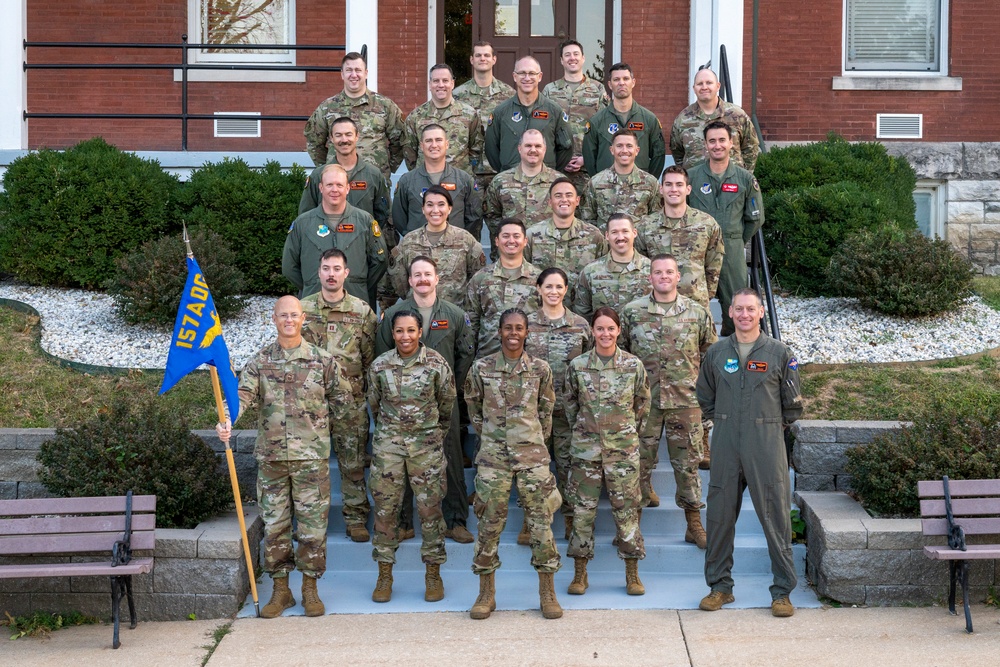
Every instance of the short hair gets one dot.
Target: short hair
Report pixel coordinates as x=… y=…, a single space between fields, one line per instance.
x=520 y=140
x=432 y=126
x=569 y=42
x=441 y=66
x=437 y=190
x=331 y=166
x=353 y=55
x=717 y=125
x=676 y=169
x=406 y=312
x=661 y=256
x=620 y=66
x=512 y=221
x=748 y=291
x=513 y=312
x=552 y=271
x=606 y=311
x=420 y=258
x=708 y=67
x=333 y=253
x=624 y=133
x=481 y=43
x=620 y=216
x=560 y=181
x=346 y=119
x=525 y=57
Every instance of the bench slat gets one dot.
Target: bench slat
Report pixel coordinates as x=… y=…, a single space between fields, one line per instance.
x=974 y=552
x=71 y=543
x=959 y=487
x=961 y=507
x=90 y=505
x=989 y=526
x=38 y=525
x=34 y=570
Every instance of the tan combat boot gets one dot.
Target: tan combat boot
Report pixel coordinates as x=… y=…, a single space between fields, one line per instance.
x=568 y=518
x=383 y=587
x=654 y=499
x=547 y=596
x=524 y=537
x=579 y=585
x=486 y=602
x=310 y=597
x=281 y=599
x=633 y=586
x=706 y=452
x=695 y=533
x=358 y=533
x=433 y=586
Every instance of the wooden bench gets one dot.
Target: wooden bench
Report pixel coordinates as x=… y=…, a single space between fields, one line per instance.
x=958 y=509
x=110 y=526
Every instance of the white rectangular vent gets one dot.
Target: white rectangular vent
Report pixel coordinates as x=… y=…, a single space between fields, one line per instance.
x=899 y=126
x=237 y=127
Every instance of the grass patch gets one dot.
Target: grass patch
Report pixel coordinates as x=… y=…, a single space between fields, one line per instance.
x=39 y=393
x=988 y=289
x=42 y=623
x=217 y=636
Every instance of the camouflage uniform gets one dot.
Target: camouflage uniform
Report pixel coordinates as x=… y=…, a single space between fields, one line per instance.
x=636 y=195
x=346 y=330
x=489 y=293
x=510 y=406
x=579 y=101
x=408 y=200
x=510 y=119
x=412 y=401
x=670 y=338
x=609 y=283
x=641 y=121
x=570 y=249
x=606 y=403
x=461 y=125
x=358 y=235
x=484 y=101
x=733 y=198
x=368 y=192
x=380 y=125
x=450 y=335
x=512 y=194
x=695 y=240
x=687 y=138
x=457 y=254
x=557 y=342
x=301 y=393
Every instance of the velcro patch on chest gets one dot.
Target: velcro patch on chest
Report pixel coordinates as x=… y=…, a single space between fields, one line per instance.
x=730 y=187
x=757 y=366
x=345 y=227
x=636 y=127
x=449 y=186
x=539 y=114
x=439 y=324
x=359 y=185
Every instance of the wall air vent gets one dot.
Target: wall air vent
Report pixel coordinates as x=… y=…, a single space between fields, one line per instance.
x=237 y=127
x=899 y=126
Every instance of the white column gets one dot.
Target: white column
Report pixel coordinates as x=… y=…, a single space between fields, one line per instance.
x=616 y=36
x=362 y=28
x=432 y=35
x=716 y=22
x=13 y=79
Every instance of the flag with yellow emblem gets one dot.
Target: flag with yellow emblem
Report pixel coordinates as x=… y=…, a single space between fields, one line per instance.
x=198 y=340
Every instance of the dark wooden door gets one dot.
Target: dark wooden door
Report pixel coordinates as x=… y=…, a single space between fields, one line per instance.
x=518 y=28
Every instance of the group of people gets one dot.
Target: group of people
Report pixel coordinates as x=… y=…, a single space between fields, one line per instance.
x=586 y=339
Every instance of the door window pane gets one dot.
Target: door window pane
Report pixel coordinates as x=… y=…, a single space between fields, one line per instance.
x=506 y=24
x=543 y=18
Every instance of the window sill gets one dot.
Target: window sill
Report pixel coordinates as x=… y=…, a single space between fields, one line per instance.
x=242 y=76
x=890 y=82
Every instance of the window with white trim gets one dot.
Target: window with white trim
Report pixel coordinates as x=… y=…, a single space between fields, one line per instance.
x=241 y=22
x=895 y=36
x=929 y=197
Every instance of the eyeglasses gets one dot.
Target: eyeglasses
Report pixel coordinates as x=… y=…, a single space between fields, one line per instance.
x=527 y=75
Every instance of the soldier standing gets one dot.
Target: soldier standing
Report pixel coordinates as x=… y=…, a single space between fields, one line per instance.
x=301 y=394
x=616 y=278
x=344 y=325
x=510 y=399
x=459 y=120
x=411 y=392
x=670 y=333
x=607 y=398
x=379 y=118
x=622 y=187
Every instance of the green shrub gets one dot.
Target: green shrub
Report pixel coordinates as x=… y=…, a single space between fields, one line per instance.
x=66 y=216
x=818 y=194
x=958 y=436
x=252 y=210
x=137 y=444
x=149 y=283
x=900 y=272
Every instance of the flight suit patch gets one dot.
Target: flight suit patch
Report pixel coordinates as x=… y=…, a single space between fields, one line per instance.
x=345 y=228
x=359 y=185
x=541 y=115
x=636 y=127
x=730 y=187
x=757 y=366
x=439 y=324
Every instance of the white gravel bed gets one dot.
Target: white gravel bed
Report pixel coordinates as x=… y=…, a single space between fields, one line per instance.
x=81 y=326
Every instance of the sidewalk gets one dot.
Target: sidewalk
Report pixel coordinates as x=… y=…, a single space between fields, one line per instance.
x=887 y=637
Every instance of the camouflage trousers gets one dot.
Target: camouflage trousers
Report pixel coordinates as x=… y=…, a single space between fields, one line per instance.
x=559 y=443
x=540 y=498
x=684 y=433
x=455 y=505
x=349 y=445
x=300 y=489
x=621 y=476
x=426 y=472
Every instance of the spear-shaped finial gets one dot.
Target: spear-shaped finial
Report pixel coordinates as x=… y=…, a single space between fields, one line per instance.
x=187 y=241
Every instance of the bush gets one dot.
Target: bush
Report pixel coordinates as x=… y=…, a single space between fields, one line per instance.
x=900 y=272
x=957 y=436
x=150 y=281
x=139 y=445
x=818 y=194
x=66 y=216
x=252 y=210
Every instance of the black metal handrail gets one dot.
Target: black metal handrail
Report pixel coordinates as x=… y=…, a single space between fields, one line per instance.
x=760 y=274
x=184 y=66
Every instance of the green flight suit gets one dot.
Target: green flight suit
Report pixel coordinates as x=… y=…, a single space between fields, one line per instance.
x=640 y=120
x=509 y=121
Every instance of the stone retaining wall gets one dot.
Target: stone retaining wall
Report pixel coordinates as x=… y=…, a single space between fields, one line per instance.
x=819 y=453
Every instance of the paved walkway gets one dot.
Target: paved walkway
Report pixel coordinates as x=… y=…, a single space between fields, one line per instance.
x=904 y=637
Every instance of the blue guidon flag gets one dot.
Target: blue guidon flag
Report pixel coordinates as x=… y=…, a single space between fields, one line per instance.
x=198 y=340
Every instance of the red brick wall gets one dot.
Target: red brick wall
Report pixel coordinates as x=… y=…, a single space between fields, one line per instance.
x=801 y=51
x=655 y=42
x=402 y=54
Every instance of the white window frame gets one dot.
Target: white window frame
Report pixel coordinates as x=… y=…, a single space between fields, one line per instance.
x=941 y=71
x=938 y=191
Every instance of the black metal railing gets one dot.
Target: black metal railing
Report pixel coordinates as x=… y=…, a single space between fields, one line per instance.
x=185 y=67
x=760 y=274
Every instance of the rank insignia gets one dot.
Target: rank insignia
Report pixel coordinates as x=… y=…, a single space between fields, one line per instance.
x=732 y=365
x=323 y=231
x=706 y=189
x=516 y=117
